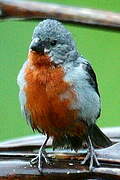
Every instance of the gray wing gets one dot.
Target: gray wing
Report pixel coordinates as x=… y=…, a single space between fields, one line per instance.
x=91 y=78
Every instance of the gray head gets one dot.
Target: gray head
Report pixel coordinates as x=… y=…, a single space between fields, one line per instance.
x=51 y=37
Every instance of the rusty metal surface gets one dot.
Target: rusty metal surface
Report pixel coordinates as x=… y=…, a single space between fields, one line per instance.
x=15 y=156
x=35 y=10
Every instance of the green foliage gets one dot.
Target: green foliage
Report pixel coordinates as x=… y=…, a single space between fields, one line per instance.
x=100 y=47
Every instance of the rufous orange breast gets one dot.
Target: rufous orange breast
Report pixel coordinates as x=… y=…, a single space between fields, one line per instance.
x=45 y=86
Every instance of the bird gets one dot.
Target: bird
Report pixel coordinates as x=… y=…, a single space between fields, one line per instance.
x=59 y=94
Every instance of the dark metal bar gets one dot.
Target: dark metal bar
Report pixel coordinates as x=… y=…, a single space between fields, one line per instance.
x=35 y=10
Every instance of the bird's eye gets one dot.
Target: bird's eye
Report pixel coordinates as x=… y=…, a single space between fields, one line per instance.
x=53 y=42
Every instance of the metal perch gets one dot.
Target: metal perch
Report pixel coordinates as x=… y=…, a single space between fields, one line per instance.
x=15 y=156
x=35 y=10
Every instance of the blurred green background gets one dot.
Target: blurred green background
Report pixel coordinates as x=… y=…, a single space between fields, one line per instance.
x=101 y=47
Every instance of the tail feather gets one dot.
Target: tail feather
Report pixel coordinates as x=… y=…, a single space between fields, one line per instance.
x=68 y=142
x=98 y=138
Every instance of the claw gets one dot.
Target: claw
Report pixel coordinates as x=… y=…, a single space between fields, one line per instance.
x=91 y=157
x=34 y=160
x=41 y=157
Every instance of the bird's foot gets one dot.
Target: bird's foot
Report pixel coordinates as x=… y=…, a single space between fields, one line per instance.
x=91 y=158
x=40 y=159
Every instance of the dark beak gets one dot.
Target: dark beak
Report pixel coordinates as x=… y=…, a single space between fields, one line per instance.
x=37 y=45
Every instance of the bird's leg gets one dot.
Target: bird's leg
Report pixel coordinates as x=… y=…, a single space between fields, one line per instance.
x=91 y=156
x=41 y=156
